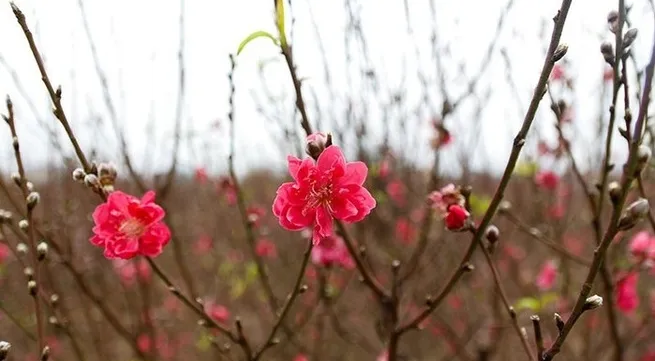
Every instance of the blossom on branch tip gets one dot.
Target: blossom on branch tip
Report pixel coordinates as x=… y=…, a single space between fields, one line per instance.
x=445 y=197
x=456 y=217
x=332 y=251
x=322 y=190
x=126 y=226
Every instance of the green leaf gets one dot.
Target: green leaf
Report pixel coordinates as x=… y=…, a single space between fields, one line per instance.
x=251 y=272
x=479 y=204
x=548 y=298
x=204 y=342
x=526 y=169
x=279 y=10
x=529 y=303
x=225 y=269
x=380 y=196
x=238 y=288
x=255 y=35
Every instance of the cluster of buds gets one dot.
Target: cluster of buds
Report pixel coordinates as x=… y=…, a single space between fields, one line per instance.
x=451 y=203
x=31 y=282
x=101 y=177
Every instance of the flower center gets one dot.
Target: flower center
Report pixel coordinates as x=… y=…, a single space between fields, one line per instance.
x=132 y=228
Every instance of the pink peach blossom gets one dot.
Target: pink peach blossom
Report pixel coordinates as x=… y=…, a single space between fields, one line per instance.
x=266 y=248
x=456 y=217
x=557 y=73
x=627 y=299
x=300 y=357
x=255 y=214
x=332 y=251
x=203 y=245
x=405 y=231
x=218 y=313
x=5 y=252
x=397 y=192
x=127 y=226
x=201 y=175
x=133 y=270
x=322 y=191
x=642 y=246
x=445 y=197
x=548 y=180
x=547 y=276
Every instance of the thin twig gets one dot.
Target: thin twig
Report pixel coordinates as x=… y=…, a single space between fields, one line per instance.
x=297 y=290
x=508 y=307
x=55 y=96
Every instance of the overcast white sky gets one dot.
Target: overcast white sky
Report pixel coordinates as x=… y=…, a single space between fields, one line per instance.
x=137 y=42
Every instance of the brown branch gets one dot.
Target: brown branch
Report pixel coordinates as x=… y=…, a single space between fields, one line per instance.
x=36 y=262
x=519 y=141
x=534 y=233
x=297 y=290
x=612 y=229
x=108 y=102
x=508 y=307
x=55 y=96
x=170 y=175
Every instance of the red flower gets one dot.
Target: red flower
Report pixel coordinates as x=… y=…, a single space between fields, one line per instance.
x=397 y=191
x=203 y=245
x=133 y=270
x=201 y=175
x=126 y=226
x=626 y=295
x=332 y=251
x=255 y=214
x=642 y=246
x=5 y=252
x=322 y=190
x=547 y=276
x=227 y=187
x=405 y=231
x=144 y=343
x=300 y=357
x=557 y=210
x=608 y=74
x=456 y=217
x=547 y=180
x=557 y=73
x=385 y=167
x=266 y=248
x=445 y=197
x=218 y=313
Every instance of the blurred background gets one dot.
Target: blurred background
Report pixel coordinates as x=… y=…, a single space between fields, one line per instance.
x=426 y=92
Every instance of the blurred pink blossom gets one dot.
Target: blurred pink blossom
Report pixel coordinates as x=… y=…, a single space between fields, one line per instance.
x=547 y=276
x=627 y=299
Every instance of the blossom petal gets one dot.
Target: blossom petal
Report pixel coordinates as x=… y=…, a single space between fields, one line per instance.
x=356 y=173
x=323 y=222
x=331 y=158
